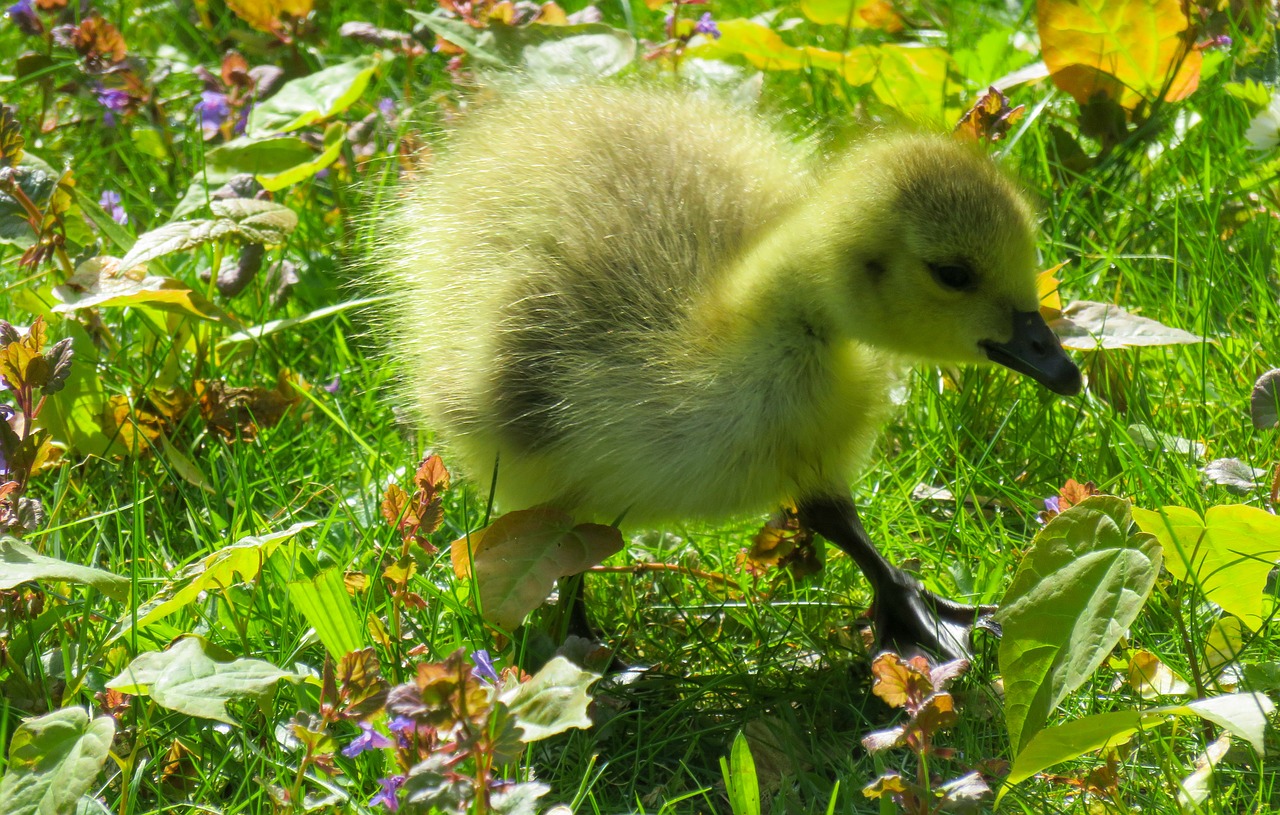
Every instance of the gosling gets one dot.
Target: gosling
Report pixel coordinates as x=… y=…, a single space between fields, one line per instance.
x=650 y=304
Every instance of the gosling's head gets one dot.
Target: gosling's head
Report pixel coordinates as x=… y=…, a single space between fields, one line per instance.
x=944 y=244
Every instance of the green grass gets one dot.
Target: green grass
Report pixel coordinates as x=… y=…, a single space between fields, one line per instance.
x=777 y=658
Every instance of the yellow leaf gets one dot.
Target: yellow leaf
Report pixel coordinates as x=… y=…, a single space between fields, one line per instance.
x=1127 y=50
x=1047 y=285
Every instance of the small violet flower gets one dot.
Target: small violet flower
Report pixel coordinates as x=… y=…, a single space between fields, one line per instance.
x=213 y=110
x=387 y=108
x=369 y=739
x=110 y=203
x=484 y=667
x=404 y=728
x=387 y=796
x=1052 y=503
x=707 y=26
x=23 y=15
x=115 y=101
x=334 y=386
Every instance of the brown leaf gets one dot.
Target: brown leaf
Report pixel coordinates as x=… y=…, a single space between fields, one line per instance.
x=361 y=687
x=99 y=42
x=518 y=558
x=990 y=118
x=268 y=15
x=901 y=683
x=240 y=412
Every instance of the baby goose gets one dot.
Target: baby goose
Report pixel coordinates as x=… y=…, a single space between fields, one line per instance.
x=650 y=304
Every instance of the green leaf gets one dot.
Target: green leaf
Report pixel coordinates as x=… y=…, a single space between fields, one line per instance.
x=37 y=181
x=246 y=219
x=553 y=701
x=238 y=563
x=740 y=779
x=53 y=760
x=1081 y=585
x=325 y=604
x=916 y=80
x=1244 y=714
x=20 y=563
x=564 y=53
x=311 y=98
x=257 y=157
x=1227 y=554
x=335 y=136
x=477 y=42
x=186 y=679
x=98 y=283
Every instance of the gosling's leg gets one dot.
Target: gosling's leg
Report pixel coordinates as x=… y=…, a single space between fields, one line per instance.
x=907 y=617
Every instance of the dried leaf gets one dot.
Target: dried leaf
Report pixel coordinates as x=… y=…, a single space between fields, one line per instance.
x=1264 y=403
x=1151 y=678
x=240 y=412
x=517 y=559
x=989 y=120
x=1090 y=326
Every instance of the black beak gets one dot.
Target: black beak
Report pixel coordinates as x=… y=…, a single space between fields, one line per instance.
x=1036 y=352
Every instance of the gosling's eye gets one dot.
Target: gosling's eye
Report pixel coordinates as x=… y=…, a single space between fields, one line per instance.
x=955 y=276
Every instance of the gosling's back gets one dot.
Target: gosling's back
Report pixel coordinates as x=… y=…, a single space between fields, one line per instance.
x=553 y=275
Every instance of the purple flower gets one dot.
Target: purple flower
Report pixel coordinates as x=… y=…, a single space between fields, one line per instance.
x=387 y=797
x=115 y=101
x=110 y=203
x=707 y=26
x=404 y=728
x=369 y=739
x=1052 y=503
x=23 y=15
x=213 y=110
x=387 y=107
x=334 y=386
x=484 y=667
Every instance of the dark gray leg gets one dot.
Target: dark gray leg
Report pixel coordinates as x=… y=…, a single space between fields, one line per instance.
x=907 y=617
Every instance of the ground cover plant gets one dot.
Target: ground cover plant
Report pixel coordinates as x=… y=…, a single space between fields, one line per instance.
x=228 y=577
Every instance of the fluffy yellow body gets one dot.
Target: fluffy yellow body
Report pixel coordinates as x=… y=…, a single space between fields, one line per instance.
x=651 y=303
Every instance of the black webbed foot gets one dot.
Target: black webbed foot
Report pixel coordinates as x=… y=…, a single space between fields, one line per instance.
x=907 y=617
x=911 y=620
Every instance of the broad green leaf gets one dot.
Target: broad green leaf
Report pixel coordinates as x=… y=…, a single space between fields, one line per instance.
x=240 y=562
x=325 y=604
x=257 y=157
x=74 y=414
x=916 y=80
x=1083 y=582
x=37 y=181
x=553 y=701
x=755 y=42
x=477 y=42
x=20 y=563
x=516 y=560
x=335 y=136
x=1130 y=50
x=1264 y=402
x=1227 y=554
x=1089 y=326
x=100 y=283
x=299 y=102
x=53 y=760
x=186 y=679
x=245 y=219
x=740 y=779
x=1244 y=714
x=574 y=53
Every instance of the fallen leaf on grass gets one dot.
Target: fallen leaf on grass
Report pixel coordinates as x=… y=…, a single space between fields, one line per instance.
x=517 y=559
x=1089 y=326
x=240 y=412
